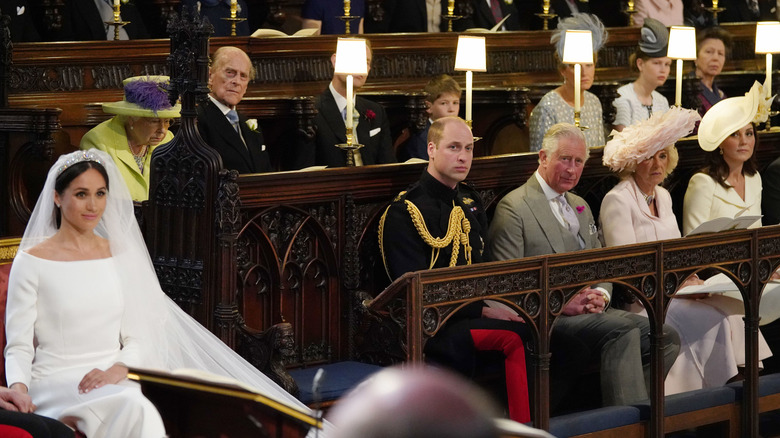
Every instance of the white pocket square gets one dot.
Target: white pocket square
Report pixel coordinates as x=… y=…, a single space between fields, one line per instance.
x=262 y=148
x=374 y=132
x=19 y=10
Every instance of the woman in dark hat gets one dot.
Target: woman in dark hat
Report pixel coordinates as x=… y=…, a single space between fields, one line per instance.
x=639 y=100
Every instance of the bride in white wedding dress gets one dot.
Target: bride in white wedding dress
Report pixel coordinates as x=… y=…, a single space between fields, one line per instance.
x=84 y=304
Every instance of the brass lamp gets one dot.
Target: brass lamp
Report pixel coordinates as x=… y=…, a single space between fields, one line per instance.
x=351 y=60
x=470 y=57
x=682 y=46
x=577 y=50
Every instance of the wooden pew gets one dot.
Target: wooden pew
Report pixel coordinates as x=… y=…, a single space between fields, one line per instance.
x=539 y=287
x=75 y=76
x=312 y=236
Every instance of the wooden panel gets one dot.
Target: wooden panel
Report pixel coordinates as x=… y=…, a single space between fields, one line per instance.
x=74 y=76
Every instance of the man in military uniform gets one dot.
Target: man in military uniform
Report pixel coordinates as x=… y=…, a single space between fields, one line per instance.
x=424 y=228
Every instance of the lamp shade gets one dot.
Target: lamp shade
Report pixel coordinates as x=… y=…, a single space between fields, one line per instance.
x=682 y=43
x=768 y=37
x=578 y=47
x=471 y=54
x=351 y=56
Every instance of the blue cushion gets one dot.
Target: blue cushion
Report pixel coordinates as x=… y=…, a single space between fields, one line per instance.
x=690 y=401
x=339 y=378
x=594 y=420
x=767 y=385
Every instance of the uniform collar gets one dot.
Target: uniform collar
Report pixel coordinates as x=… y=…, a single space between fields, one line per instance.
x=436 y=188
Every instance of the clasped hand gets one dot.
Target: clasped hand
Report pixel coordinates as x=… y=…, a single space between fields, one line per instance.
x=588 y=300
x=16 y=399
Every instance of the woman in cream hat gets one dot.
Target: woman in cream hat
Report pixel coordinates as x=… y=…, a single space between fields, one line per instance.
x=140 y=123
x=638 y=209
x=730 y=182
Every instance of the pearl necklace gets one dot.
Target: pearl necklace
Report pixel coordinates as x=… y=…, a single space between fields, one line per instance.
x=648 y=198
x=139 y=158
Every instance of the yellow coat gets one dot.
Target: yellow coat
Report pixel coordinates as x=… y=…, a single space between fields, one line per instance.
x=110 y=137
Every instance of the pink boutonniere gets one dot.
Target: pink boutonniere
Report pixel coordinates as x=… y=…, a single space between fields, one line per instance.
x=580 y=208
x=370 y=115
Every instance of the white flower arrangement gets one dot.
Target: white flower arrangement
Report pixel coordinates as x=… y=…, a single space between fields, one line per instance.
x=252 y=124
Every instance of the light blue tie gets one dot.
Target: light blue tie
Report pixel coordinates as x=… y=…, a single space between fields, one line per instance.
x=232 y=116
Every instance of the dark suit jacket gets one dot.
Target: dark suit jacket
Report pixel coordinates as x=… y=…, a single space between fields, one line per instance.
x=770 y=196
x=377 y=149
x=216 y=13
x=217 y=132
x=483 y=16
x=408 y=16
x=81 y=22
x=417 y=145
x=561 y=8
x=22 y=23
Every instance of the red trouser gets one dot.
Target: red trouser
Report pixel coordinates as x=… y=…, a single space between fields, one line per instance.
x=509 y=343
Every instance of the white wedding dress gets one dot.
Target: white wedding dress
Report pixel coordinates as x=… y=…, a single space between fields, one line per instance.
x=63 y=320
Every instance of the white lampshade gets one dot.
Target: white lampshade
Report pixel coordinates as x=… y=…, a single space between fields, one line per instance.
x=768 y=37
x=471 y=54
x=351 y=56
x=682 y=43
x=578 y=47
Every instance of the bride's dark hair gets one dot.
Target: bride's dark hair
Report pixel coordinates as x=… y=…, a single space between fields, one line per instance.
x=70 y=173
x=73 y=171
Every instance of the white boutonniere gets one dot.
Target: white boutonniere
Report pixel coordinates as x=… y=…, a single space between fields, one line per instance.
x=252 y=124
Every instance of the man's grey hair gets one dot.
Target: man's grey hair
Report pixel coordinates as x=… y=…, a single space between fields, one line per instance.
x=559 y=131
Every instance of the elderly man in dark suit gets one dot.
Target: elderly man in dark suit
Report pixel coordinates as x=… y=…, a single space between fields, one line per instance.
x=237 y=139
x=372 y=130
x=543 y=217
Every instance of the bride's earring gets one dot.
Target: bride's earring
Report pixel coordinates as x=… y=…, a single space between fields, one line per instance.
x=58 y=205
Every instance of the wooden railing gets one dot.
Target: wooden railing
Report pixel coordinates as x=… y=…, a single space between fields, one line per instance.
x=77 y=76
x=539 y=287
x=312 y=236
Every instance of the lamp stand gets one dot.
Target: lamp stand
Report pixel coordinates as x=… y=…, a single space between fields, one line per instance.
x=630 y=11
x=450 y=18
x=469 y=89
x=347 y=19
x=350 y=148
x=678 y=84
x=117 y=22
x=545 y=15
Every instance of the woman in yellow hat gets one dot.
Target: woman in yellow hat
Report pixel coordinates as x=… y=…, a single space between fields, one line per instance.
x=140 y=124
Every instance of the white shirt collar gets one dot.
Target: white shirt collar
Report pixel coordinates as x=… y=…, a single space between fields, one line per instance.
x=549 y=193
x=222 y=107
x=341 y=101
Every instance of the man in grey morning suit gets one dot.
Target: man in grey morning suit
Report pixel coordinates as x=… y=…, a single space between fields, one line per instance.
x=542 y=217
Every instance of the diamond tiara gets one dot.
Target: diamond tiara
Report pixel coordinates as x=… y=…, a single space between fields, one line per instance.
x=78 y=157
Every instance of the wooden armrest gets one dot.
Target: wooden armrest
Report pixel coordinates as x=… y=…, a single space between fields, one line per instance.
x=267 y=351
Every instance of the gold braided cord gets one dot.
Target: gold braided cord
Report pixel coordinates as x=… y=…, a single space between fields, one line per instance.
x=457 y=233
x=382 y=240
